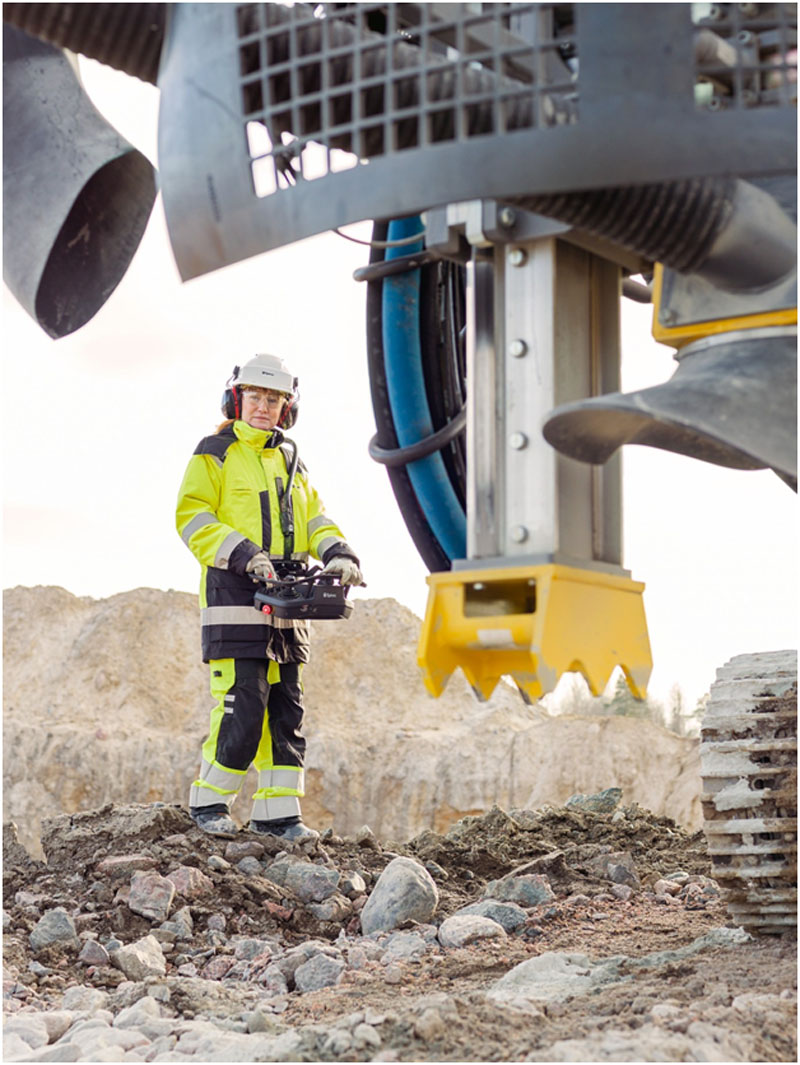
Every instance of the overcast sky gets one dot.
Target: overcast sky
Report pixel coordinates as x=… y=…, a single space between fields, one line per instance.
x=99 y=427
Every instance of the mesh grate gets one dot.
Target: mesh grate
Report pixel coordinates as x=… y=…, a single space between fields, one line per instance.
x=745 y=55
x=327 y=88
x=406 y=106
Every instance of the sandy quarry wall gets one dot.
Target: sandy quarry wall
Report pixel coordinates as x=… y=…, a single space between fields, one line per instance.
x=107 y=700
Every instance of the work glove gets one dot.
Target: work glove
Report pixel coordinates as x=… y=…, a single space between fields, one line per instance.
x=345 y=569
x=260 y=566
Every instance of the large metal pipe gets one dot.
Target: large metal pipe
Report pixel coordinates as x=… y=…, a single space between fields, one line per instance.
x=728 y=231
x=76 y=195
x=128 y=37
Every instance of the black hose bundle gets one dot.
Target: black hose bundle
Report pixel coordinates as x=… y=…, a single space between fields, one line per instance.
x=426 y=543
x=441 y=314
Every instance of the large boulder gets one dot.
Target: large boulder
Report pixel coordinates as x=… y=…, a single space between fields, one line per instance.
x=404 y=891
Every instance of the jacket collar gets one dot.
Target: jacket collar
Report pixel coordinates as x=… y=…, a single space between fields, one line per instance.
x=258 y=439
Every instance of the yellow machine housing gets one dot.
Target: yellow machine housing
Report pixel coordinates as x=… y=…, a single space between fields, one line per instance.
x=526 y=622
x=687 y=332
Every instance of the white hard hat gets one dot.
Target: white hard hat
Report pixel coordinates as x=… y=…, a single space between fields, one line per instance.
x=266 y=371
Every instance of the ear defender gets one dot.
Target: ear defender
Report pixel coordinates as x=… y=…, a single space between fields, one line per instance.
x=289 y=415
x=232 y=397
x=231 y=402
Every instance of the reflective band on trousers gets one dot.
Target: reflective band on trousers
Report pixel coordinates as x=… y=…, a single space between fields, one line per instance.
x=197 y=522
x=226 y=548
x=215 y=784
x=273 y=808
x=278 y=794
x=280 y=780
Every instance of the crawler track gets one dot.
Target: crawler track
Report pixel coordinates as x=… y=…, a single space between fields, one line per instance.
x=749 y=766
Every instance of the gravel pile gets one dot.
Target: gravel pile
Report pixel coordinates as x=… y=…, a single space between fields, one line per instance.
x=142 y=939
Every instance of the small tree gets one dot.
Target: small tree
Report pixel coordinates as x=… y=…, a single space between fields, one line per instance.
x=677 y=710
x=694 y=722
x=623 y=703
x=655 y=711
x=572 y=695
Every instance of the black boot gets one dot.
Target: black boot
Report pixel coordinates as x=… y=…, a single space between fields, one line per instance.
x=291 y=829
x=215 y=820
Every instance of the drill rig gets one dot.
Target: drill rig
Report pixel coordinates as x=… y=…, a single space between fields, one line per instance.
x=525 y=163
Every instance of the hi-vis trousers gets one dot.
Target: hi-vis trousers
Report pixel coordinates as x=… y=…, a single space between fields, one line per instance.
x=256 y=721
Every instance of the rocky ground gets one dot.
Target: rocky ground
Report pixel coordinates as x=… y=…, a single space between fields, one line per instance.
x=584 y=932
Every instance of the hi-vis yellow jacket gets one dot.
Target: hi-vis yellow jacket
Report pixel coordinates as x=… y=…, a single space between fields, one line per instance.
x=229 y=508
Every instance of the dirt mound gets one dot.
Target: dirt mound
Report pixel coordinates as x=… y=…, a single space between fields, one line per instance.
x=243 y=957
x=559 y=842
x=494 y=843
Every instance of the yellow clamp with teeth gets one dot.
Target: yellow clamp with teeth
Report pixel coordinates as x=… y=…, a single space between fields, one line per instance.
x=534 y=623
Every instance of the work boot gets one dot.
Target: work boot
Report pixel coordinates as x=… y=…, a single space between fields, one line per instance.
x=291 y=829
x=215 y=820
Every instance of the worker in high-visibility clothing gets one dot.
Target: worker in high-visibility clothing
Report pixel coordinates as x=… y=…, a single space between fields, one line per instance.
x=239 y=522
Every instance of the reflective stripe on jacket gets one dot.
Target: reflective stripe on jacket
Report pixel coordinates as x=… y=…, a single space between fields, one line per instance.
x=228 y=510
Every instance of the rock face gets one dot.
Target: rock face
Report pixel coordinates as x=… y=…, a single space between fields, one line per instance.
x=107 y=701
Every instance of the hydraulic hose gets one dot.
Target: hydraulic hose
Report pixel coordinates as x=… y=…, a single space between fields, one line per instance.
x=443 y=343
x=427 y=545
x=407 y=397
x=401 y=456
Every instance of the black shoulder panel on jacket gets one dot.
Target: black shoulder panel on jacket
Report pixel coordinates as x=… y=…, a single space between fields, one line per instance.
x=218 y=444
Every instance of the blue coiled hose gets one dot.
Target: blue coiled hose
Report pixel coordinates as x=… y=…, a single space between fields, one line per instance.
x=405 y=384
